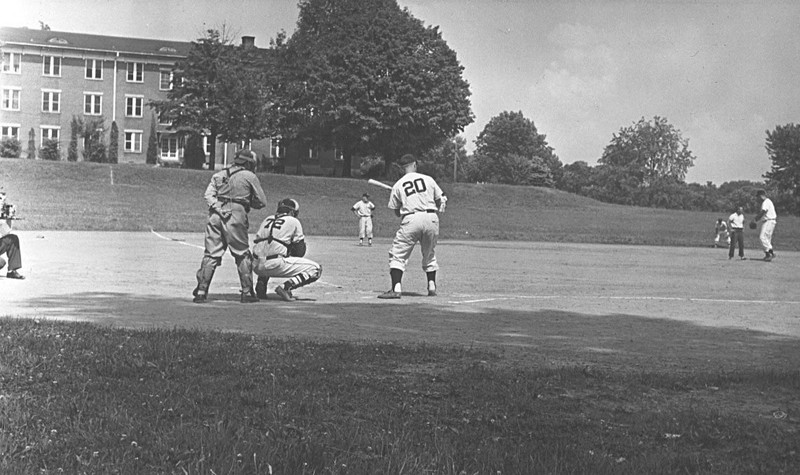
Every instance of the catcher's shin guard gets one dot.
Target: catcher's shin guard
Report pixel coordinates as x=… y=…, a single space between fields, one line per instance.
x=303 y=279
x=261 y=287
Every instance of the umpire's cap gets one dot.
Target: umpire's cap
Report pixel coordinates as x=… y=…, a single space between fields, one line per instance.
x=760 y=192
x=406 y=159
x=245 y=156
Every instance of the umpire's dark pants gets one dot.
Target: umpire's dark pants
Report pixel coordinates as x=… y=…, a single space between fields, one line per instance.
x=737 y=237
x=9 y=245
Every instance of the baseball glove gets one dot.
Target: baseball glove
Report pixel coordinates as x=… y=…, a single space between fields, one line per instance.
x=753 y=225
x=297 y=249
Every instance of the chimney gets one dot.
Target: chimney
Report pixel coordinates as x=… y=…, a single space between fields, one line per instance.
x=248 y=41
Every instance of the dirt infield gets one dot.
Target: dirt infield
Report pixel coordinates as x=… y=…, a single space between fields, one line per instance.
x=592 y=303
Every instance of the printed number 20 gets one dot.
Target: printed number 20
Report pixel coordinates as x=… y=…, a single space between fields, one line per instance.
x=416 y=186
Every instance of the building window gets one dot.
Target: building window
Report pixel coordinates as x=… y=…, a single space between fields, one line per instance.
x=11 y=63
x=165 y=81
x=206 y=145
x=11 y=98
x=276 y=148
x=169 y=147
x=51 y=66
x=133 y=141
x=92 y=103
x=50 y=133
x=134 y=106
x=51 y=101
x=9 y=131
x=163 y=121
x=94 y=69
x=135 y=72
x=313 y=153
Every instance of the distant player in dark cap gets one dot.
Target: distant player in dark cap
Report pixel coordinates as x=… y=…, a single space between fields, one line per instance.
x=363 y=210
x=230 y=195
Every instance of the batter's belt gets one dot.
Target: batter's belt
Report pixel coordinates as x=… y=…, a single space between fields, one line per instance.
x=425 y=211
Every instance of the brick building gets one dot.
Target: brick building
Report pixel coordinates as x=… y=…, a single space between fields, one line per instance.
x=49 y=77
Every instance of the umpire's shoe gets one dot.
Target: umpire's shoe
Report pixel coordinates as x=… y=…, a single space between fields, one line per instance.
x=14 y=275
x=248 y=297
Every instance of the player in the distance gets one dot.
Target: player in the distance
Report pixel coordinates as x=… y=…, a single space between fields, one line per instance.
x=363 y=210
x=415 y=198
x=278 y=251
x=768 y=218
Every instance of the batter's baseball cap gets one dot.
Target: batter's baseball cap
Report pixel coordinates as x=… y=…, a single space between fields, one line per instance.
x=245 y=156
x=406 y=159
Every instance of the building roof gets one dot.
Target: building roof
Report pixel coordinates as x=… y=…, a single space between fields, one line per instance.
x=83 y=41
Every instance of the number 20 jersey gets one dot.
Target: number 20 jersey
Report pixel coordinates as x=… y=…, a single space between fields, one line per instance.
x=415 y=192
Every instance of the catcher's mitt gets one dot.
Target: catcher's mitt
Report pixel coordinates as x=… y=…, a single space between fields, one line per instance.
x=753 y=225
x=297 y=249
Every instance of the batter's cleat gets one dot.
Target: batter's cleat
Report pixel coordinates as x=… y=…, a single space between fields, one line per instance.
x=284 y=294
x=432 y=293
x=199 y=297
x=389 y=294
x=14 y=275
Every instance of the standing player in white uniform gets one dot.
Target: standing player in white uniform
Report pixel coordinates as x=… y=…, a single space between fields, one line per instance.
x=363 y=210
x=768 y=218
x=415 y=198
x=278 y=251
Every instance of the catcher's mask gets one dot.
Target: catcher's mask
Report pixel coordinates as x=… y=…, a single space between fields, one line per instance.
x=289 y=206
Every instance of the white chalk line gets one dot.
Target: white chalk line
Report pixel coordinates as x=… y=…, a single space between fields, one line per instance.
x=161 y=236
x=620 y=297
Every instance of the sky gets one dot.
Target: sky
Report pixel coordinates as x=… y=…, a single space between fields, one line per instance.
x=722 y=73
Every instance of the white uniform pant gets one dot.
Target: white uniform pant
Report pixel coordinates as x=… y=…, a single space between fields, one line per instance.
x=765 y=235
x=287 y=267
x=722 y=235
x=365 y=227
x=417 y=227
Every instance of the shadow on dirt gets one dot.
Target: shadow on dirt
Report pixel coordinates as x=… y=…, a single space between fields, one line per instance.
x=537 y=336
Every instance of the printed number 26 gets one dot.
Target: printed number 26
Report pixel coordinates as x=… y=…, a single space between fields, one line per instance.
x=416 y=186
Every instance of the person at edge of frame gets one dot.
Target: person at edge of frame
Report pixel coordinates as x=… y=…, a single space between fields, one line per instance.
x=9 y=242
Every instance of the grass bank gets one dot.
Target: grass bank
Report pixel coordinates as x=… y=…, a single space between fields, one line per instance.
x=80 y=398
x=88 y=196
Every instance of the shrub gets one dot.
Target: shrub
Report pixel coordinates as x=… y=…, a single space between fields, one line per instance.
x=50 y=150
x=32 y=144
x=10 y=148
x=113 y=145
x=75 y=129
x=194 y=156
x=372 y=167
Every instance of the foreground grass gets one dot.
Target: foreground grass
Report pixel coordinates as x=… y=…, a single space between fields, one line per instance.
x=79 y=398
x=90 y=196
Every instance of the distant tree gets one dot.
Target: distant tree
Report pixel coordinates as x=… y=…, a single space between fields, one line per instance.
x=75 y=130
x=439 y=160
x=113 y=143
x=783 y=147
x=645 y=154
x=50 y=150
x=32 y=144
x=44 y=26
x=510 y=134
x=94 y=149
x=576 y=177
x=223 y=89
x=10 y=148
x=194 y=156
x=370 y=79
x=152 y=144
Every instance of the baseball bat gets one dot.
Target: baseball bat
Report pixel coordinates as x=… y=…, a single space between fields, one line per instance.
x=377 y=183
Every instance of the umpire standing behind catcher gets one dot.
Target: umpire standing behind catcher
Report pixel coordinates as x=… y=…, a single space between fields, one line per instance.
x=278 y=250
x=230 y=195
x=415 y=198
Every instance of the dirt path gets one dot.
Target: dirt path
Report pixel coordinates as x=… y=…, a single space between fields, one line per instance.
x=621 y=302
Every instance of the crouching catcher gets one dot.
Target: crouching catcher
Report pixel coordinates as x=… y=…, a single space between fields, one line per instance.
x=278 y=251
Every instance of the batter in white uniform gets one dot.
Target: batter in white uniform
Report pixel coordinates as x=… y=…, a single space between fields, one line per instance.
x=415 y=198
x=278 y=251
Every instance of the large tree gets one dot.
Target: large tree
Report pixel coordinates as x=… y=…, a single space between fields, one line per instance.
x=647 y=156
x=506 y=142
x=223 y=90
x=370 y=78
x=783 y=146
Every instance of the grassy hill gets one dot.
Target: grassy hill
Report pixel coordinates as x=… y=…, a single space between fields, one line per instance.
x=89 y=196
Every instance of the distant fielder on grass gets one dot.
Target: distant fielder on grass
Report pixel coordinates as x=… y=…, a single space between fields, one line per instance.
x=736 y=226
x=767 y=218
x=279 y=250
x=363 y=210
x=230 y=195
x=415 y=198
